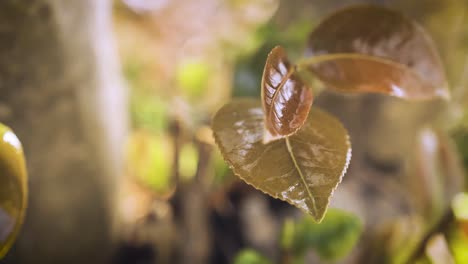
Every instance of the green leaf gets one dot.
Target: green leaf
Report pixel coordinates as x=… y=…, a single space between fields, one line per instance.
x=460 y=206
x=13 y=193
x=286 y=100
x=250 y=256
x=333 y=239
x=193 y=76
x=188 y=161
x=458 y=242
x=373 y=49
x=148 y=162
x=303 y=169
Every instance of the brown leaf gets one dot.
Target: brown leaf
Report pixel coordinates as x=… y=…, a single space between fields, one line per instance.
x=374 y=49
x=303 y=169
x=286 y=100
x=13 y=191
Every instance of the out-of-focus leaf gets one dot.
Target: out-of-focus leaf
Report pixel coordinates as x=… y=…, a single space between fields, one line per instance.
x=460 y=206
x=148 y=160
x=302 y=169
x=458 y=242
x=460 y=210
x=250 y=256
x=287 y=234
x=373 y=49
x=285 y=98
x=221 y=170
x=13 y=191
x=149 y=112
x=192 y=77
x=437 y=250
x=188 y=161
x=332 y=239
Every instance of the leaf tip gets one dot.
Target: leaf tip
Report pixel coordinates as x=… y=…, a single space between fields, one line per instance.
x=268 y=137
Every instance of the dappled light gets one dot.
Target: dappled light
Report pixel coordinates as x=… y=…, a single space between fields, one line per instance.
x=234 y=131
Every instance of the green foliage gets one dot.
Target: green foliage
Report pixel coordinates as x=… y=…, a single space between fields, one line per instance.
x=460 y=206
x=148 y=112
x=148 y=160
x=250 y=256
x=188 y=161
x=332 y=239
x=458 y=241
x=192 y=77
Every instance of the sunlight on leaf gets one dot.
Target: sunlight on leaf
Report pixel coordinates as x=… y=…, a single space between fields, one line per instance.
x=303 y=169
x=373 y=49
x=286 y=100
x=13 y=193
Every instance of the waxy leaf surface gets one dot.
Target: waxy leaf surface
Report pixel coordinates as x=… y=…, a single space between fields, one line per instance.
x=285 y=98
x=302 y=169
x=373 y=49
x=13 y=188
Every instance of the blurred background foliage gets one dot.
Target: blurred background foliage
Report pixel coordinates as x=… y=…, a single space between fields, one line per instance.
x=182 y=61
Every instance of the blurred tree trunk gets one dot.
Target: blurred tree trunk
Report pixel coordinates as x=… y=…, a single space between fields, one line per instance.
x=61 y=92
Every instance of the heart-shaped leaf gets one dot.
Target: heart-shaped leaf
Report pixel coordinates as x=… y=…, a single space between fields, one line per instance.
x=302 y=169
x=13 y=190
x=373 y=49
x=286 y=100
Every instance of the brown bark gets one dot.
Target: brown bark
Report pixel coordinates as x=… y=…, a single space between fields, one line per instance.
x=60 y=92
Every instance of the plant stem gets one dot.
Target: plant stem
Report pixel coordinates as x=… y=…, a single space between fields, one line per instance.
x=309 y=61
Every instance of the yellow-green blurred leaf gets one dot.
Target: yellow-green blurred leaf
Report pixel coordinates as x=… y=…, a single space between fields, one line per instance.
x=250 y=256
x=460 y=206
x=332 y=239
x=148 y=112
x=149 y=160
x=373 y=49
x=302 y=170
x=13 y=193
x=188 y=161
x=192 y=76
x=458 y=242
x=288 y=233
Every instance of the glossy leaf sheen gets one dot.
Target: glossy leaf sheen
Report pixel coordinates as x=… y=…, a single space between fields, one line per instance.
x=373 y=49
x=286 y=100
x=13 y=190
x=302 y=169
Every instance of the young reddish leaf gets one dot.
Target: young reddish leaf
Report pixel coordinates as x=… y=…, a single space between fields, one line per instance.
x=285 y=98
x=373 y=49
x=13 y=190
x=302 y=169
